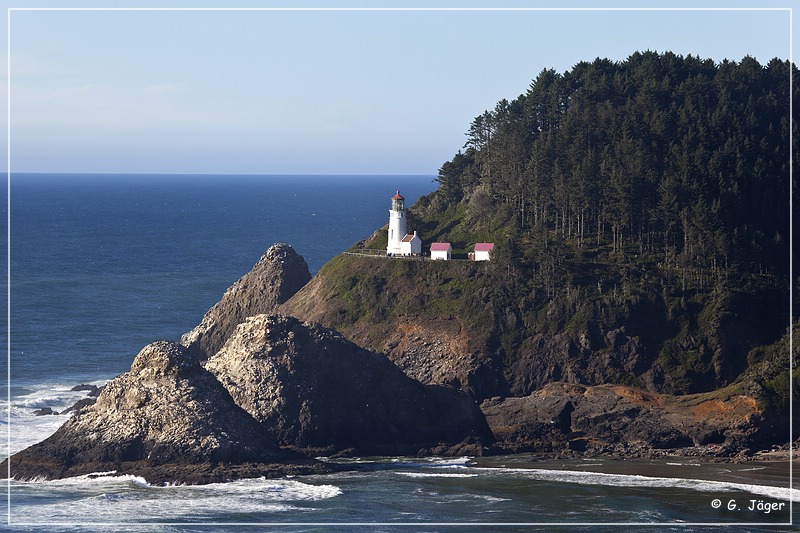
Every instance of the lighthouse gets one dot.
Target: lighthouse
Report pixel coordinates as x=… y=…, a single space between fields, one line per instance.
x=397 y=225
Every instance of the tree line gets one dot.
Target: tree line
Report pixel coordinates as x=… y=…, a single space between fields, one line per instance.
x=679 y=159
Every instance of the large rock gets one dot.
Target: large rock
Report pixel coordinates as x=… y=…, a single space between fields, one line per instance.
x=315 y=390
x=167 y=420
x=278 y=275
x=607 y=417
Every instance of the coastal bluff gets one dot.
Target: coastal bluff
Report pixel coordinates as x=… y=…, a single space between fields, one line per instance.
x=253 y=394
x=277 y=392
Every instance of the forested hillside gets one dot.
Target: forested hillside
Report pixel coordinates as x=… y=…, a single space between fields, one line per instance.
x=641 y=217
x=672 y=158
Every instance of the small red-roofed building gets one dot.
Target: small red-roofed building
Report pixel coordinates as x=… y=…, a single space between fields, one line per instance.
x=411 y=245
x=483 y=251
x=441 y=251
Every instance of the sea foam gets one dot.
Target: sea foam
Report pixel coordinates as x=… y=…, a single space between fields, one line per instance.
x=434 y=474
x=27 y=428
x=106 y=498
x=627 y=480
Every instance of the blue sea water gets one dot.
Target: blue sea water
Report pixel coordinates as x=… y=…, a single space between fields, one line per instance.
x=101 y=265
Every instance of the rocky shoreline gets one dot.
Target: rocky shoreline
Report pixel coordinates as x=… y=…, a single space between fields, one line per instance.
x=251 y=392
x=623 y=450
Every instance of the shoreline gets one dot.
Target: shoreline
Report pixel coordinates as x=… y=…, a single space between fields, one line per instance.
x=769 y=468
x=766 y=472
x=766 y=466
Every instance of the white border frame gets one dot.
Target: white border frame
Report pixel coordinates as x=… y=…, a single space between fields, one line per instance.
x=420 y=523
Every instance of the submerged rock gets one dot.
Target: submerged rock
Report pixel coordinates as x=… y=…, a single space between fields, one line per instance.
x=275 y=278
x=80 y=404
x=167 y=420
x=91 y=390
x=314 y=390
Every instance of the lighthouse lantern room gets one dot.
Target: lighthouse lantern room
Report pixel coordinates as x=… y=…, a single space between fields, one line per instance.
x=397 y=225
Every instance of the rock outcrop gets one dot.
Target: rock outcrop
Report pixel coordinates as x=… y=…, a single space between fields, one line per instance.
x=278 y=275
x=609 y=418
x=316 y=391
x=398 y=308
x=167 y=420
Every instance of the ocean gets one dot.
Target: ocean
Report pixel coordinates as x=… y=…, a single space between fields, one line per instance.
x=101 y=265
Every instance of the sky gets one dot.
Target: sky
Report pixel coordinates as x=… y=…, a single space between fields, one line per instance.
x=314 y=91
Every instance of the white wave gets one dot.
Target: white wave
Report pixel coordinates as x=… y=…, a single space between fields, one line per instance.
x=431 y=462
x=25 y=427
x=449 y=461
x=491 y=498
x=434 y=474
x=627 y=480
x=275 y=489
x=98 y=479
x=107 y=498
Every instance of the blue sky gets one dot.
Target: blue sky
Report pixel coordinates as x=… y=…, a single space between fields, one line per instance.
x=313 y=92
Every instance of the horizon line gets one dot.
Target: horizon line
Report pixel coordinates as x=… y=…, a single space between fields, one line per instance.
x=122 y=173
x=399 y=8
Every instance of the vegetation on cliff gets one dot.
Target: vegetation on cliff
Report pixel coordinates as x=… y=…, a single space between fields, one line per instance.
x=641 y=222
x=678 y=160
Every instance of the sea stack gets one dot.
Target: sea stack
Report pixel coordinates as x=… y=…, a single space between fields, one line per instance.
x=317 y=392
x=167 y=420
x=275 y=278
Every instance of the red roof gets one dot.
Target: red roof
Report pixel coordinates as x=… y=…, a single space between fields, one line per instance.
x=408 y=237
x=440 y=246
x=397 y=196
x=484 y=247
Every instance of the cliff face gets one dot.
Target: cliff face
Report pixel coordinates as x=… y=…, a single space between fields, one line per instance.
x=279 y=274
x=168 y=420
x=428 y=318
x=314 y=390
x=617 y=419
x=273 y=385
x=474 y=326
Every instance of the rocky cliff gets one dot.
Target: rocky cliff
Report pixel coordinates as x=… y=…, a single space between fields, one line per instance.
x=249 y=390
x=613 y=419
x=167 y=420
x=279 y=274
x=278 y=389
x=431 y=319
x=473 y=327
x=315 y=391
x=476 y=327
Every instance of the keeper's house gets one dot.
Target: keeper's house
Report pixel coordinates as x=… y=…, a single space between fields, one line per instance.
x=442 y=251
x=483 y=251
x=411 y=245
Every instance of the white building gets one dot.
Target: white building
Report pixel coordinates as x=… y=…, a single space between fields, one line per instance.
x=411 y=245
x=397 y=225
x=442 y=251
x=483 y=251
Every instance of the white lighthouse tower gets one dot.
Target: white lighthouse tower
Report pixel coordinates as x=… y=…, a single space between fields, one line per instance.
x=397 y=224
